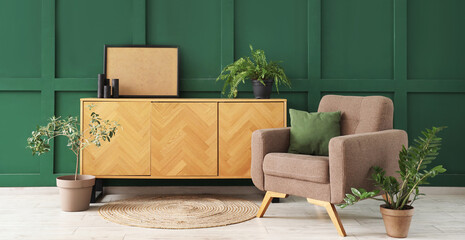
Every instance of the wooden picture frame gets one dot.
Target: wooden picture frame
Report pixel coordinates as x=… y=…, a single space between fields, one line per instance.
x=143 y=70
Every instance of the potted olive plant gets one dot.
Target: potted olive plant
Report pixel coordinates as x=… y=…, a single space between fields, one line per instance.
x=262 y=73
x=398 y=197
x=75 y=190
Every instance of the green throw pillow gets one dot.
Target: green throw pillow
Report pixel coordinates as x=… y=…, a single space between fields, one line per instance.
x=311 y=132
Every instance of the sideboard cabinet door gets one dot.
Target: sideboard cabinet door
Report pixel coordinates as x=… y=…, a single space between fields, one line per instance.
x=237 y=121
x=128 y=153
x=184 y=139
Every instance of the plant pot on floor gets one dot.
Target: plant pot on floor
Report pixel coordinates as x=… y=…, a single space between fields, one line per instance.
x=397 y=222
x=75 y=194
x=261 y=91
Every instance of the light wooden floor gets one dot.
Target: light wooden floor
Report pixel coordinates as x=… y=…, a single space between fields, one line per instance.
x=34 y=213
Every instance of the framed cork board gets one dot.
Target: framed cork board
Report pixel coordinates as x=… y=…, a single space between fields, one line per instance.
x=143 y=71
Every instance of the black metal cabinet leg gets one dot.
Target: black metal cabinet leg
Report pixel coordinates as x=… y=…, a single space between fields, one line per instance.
x=97 y=191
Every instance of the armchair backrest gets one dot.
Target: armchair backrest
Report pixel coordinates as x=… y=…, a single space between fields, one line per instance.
x=360 y=114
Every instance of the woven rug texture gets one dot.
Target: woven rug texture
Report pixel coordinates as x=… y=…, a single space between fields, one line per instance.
x=179 y=212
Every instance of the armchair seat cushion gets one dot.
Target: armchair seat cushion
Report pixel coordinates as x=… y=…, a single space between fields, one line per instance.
x=297 y=166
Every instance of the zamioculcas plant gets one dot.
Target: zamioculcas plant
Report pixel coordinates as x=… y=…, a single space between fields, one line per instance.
x=400 y=195
x=413 y=164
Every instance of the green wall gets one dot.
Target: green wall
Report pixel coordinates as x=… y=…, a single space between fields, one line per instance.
x=51 y=52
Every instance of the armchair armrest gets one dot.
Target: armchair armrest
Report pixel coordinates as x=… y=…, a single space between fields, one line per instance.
x=351 y=158
x=265 y=141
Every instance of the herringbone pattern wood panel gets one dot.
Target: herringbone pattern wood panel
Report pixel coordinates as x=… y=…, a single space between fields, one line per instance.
x=236 y=124
x=128 y=153
x=184 y=139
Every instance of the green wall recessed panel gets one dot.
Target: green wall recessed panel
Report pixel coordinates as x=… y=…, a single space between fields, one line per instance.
x=82 y=28
x=357 y=39
x=278 y=27
x=20 y=38
x=67 y=104
x=192 y=25
x=436 y=37
x=426 y=110
x=20 y=116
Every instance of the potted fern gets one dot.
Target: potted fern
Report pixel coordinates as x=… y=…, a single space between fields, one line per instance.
x=262 y=73
x=75 y=190
x=398 y=197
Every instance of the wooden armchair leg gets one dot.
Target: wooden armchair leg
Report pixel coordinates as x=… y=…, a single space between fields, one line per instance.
x=267 y=200
x=331 y=209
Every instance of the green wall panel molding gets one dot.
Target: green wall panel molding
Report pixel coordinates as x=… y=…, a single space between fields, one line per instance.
x=28 y=84
x=195 y=26
x=313 y=53
x=380 y=85
x=20 y=22
x=76 y=84
x=400 y=63
x=436 y=37
x=410 y=51
x=227 y=32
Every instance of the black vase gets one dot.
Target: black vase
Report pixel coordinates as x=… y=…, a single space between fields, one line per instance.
x=261 y=91
x=100 y=85
x=107 y=91
x=115 y=87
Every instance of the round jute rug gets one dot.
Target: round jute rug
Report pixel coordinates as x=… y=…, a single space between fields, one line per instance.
x=179 y=212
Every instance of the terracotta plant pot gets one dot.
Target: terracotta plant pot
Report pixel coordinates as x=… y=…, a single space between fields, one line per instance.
x=75 y=195
x=397 y=222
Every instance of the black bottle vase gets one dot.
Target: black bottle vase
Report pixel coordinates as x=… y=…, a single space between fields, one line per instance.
x=107 y=91
x=115 y=87
x=100 y=84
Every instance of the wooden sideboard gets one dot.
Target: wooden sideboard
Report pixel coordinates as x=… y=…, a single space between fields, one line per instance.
x=178 y=138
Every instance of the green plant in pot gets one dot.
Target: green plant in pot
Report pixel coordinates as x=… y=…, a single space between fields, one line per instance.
x=399 y=196
x=75 y=190
x=262 y=73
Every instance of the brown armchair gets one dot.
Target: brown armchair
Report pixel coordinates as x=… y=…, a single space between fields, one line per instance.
x=367 y=139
